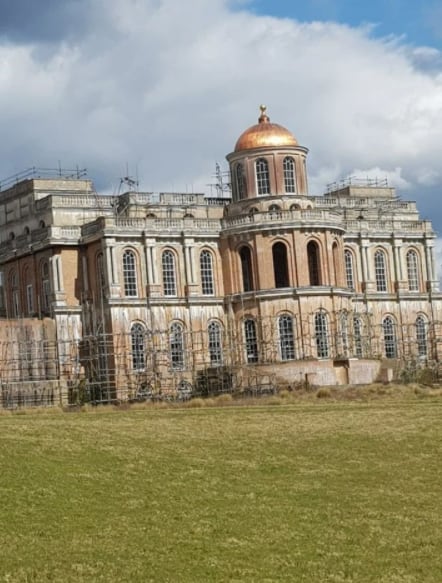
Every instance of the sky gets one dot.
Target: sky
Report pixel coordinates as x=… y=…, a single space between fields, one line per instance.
x=162 y=89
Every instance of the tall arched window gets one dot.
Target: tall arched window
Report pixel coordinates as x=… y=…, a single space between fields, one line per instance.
x=176 y=344
x=343 y=325
x=289 y=175
x=286 y=337
x=129 y=274
x=262 y=176
x=29 y=288
x=45 y=287
x=421 y=336
x=206 y=268
x=313 y=263
x=100 y=271
x=390 y=344
x=15 y=295
x=251 y=341
x=169 y=273
x=380 y=271
x=215 y=343
x=413 y=271
x=349 y=273
x=246 y=268
x=138 y=342
x=321 y=335
x=241 y=184
x=280 y=265
x=357 y=330
x=335 y=256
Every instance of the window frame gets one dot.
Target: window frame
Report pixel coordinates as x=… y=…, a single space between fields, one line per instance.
x=251 y=341
x=214 y=341
x=169 y=273
x=286 y=332
x=130 y=276
x=321 y=335
x=389 y=337
x=289 y=171
x=421 y=324
x=207 y=273
x=349 y=269
x=138 y=346
x=262 y=176
x=380 y=271
x=177 y=346
x=412 y=261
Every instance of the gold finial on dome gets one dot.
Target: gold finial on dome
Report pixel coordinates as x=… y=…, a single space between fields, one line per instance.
x=263 y=117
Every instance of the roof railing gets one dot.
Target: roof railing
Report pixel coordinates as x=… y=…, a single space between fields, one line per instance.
x=34 y=172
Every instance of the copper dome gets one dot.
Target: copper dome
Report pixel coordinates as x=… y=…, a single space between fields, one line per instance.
x=265 y=134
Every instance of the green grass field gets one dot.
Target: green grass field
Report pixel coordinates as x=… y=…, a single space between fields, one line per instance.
x=306 y=492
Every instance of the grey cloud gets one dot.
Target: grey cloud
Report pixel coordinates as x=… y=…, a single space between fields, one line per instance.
x=43 y=20
x=167 y=87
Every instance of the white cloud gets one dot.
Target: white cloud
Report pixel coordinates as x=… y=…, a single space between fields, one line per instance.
x=167 y=87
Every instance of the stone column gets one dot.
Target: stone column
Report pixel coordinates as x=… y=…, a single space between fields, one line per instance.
x=189 y=254
x=111 y=268
x=153 y=285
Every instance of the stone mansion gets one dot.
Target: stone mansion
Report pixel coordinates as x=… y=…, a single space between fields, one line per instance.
x=165 y=292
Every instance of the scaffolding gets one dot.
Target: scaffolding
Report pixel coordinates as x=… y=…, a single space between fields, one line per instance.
x=104 y=367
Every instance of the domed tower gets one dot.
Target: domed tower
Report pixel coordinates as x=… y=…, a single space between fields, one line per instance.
x=267 y=162
x=283 y=259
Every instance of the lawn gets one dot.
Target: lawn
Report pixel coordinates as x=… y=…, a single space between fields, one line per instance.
x=305 y=492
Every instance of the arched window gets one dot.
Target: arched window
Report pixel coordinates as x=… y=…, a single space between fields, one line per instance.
x=45 y=287
x=262 y=176
x=138 y=342
x=349 y=273
x=343 y=325
x=101 y=280
x=313 y=263
x=421 y=336
x=390 y=345
x=129 y=274
x=357 y=330
x=413 y=271
x=321 y=335
x=380 y=271
x=15 y=295
x=176 y=343
x=215 y=343
x=241 y=184
x=169 y=273
x=286 y=337
x=280 y=265
x=246 y=268
x=206 y=267
x=289 y=175
x=335 y=262
x=295 y=207
x=251 y=341
x=29 y=289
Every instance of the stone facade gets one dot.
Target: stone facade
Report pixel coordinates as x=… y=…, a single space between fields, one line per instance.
x=165 y=292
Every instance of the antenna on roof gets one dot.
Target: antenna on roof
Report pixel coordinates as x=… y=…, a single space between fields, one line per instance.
x=222 y=185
